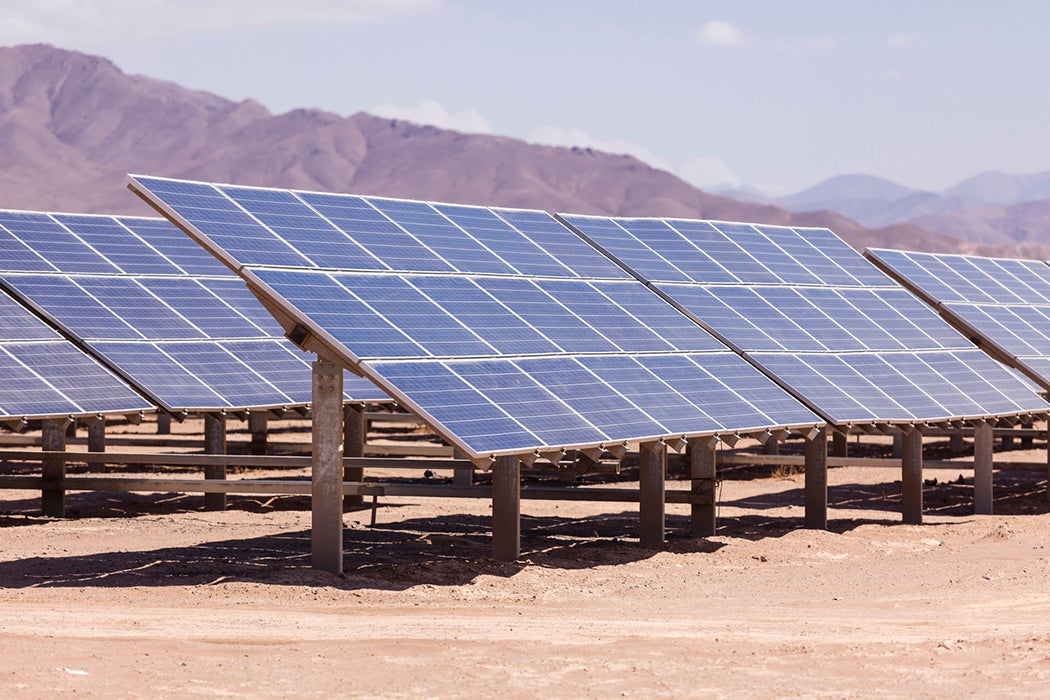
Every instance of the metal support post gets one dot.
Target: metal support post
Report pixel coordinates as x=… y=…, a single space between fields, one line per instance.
x=816 y=517
x=703 y=516
x=53 y=496
x=163 y=423
x=97 y=440
x=215 y=444
x=1027 y=440
x=839 y=444
x=898 y=444
x=257 y=427
x=911 y=476
x=506 y=508
x=462 y=477
x=354 y=431
x=652 y=464
x=982 y=469
x=326 y=506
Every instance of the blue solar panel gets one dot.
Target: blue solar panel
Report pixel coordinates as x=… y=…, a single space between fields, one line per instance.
x=500 y=326
x=110 y=239
x=63 y=299
x=67 y=253
x=175 y=246
x=160 y=375
x=519 y=253
x=388 y=244
x=117 y=279
x=16 y=323
x=202 y=309
x=42 y=374
x=835 y=320
x=1002 y=303
x=457 y=407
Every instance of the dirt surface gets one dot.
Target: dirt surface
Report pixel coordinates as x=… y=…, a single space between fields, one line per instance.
x=147 y=595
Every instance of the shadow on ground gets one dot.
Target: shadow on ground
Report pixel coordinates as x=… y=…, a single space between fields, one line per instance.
x=449 y=550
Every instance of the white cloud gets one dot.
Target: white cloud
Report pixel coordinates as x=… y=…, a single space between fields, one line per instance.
x=434 y=113
x=718 y=33
x=708 y=172
x=74 y=21
x=561 y=136
x=725 y=34
x=903 y=41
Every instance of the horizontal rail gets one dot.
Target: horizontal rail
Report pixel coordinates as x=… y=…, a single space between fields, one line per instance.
x=209 y=460
x=800 y=461
x=350 y=488
x=996 y=432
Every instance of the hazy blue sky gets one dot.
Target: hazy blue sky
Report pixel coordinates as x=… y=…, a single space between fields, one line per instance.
x=775 y=94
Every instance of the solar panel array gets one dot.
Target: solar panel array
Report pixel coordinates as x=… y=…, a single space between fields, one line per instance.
x=500 y=327
x=1005 y=303
x=158 y=309
x=43 y=375
x=806 y=307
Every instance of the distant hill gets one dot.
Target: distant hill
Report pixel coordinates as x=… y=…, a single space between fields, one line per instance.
x=72 y=126
x=1000 y=188
x=854 y=187
x=992 y=211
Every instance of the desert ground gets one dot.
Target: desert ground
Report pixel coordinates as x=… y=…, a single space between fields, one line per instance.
x=150 y=596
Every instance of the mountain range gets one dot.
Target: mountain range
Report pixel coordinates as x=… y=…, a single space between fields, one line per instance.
x=73 y=125
x=990 y=209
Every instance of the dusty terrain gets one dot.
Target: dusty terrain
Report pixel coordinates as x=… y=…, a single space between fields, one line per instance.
x=147 y=595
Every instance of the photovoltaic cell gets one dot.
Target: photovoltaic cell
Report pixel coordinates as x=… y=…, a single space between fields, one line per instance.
x=500 y=326
x=180 y=325
x=43 y=375
x=1003 y=303
x=811 y=311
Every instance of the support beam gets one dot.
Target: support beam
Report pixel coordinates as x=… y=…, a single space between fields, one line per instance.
x=1026 y=439
x=982 y=469
x=816 y=517
x=898 y=444
x=462 y=477
x=215 y=444
x=839 y=444
x=326 y=507
x=956 y=443
x=97 y=440
x=53 y=498
x=257 y=428
x=652 y=464
x=771 y=446
x=354 y=431
x=703 y=516
x=506 y=508
x=163 y=423
x=911 y=476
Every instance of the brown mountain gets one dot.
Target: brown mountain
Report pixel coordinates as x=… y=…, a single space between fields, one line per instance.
x=1024 y=226
x=72 y=126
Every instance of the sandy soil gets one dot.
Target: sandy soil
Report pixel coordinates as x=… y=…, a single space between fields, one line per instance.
x=147 y=595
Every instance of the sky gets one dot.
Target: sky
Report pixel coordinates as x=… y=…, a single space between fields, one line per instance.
x=769 y=94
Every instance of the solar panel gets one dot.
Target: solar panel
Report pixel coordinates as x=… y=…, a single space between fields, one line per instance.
x=501 y=328
x=810 y=311
x=43 y=375
x=1003 y=303
x=159 y=310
